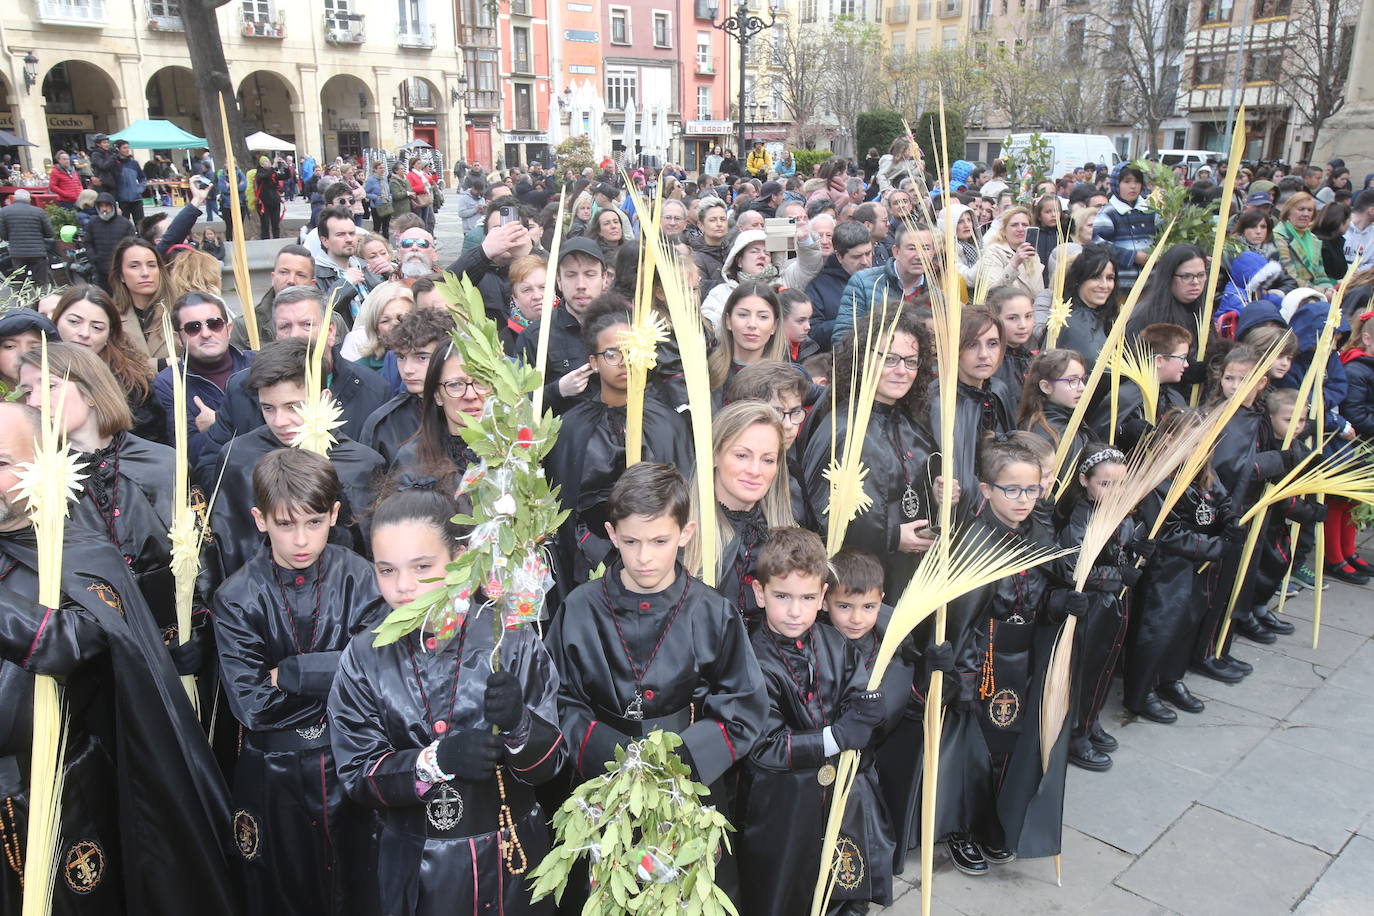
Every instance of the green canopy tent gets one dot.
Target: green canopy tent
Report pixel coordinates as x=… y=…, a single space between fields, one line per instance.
x=154 y=134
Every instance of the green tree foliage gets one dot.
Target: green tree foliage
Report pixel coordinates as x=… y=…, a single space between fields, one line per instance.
x=877 y=129
x=1169 y=198
x=929 y=140
x=804 y=159
x=575 y=153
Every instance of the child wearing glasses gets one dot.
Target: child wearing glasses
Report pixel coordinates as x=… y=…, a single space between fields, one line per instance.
x=1000 y=634
x=589 y=455
x=897 y=449
x=1168 y=346
x=1054 y=385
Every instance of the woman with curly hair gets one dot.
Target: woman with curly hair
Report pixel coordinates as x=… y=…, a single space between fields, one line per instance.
x=897 y=448
x=87 y=316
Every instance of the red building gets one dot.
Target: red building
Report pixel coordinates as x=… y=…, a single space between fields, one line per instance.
x=640 y=42
x=705 y=106
x=525 y=76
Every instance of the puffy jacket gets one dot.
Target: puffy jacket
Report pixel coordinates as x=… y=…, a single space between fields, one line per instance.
x=104 y=235
x=1129 y=230
x=825 y=292
x=759 y=161
x=26 y=228
x=1249 y=270
x=65 y=184
x=1306 y=324
x=1358 y=406
x=860 y=292
x=105 y=167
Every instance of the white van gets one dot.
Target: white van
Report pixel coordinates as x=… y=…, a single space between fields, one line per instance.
x=1071 y=151
x=1194 y=159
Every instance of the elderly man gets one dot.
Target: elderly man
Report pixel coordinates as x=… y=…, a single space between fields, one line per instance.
x=28 y=230
x=417 y=252
x=203 y=329
x=487 y=267
x=672 y=220
x=823 y=228
x=294 y=266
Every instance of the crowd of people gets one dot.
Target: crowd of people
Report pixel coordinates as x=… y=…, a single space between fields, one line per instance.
x=341 y=776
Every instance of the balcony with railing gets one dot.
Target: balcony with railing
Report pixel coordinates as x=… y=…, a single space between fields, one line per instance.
x=72 y=12
x=706 y=66
x=164 y=16
x=482 y=100
x=899 y=14
x=255 y=26
x=519 y=7
x=478 y=36
x=416 y=35
x=949 y=8
x=344 y=28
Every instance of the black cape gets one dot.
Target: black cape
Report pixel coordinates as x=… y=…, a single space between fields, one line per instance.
x=390 y=426
x=976 y=411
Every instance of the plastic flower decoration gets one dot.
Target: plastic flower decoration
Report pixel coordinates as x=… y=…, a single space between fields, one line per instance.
x=320 y=414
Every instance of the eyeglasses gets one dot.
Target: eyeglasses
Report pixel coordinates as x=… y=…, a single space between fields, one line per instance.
x=458 y=388
x=793 y=417
x=415 y=243
x=192 y=328
x=1014 y=492
x=1073 y=381
x=1191 y=278
x=912 y=363
x=612 y=357
x=1182 y=359
x=343 y=200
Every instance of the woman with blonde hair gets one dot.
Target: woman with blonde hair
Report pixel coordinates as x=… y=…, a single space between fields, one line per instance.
x=1007 y=258
x=383 y=308
x=583 y=208
x=751 y=495
x=86 y=316
x=194 y=271
x=1300 y=251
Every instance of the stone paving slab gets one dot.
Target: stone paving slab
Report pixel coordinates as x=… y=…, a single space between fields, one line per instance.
x=1344 y=888
x=1212 y=863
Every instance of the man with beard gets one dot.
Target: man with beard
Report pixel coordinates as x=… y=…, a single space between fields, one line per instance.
x=418 y=253
x=144 y=814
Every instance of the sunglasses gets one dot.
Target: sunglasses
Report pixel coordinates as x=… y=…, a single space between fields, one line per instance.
x=192 y=328
x=415 y=243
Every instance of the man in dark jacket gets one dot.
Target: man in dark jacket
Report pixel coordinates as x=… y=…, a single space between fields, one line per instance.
x=769 y=199
x=853 y=253
x=582 y=277
x=131 y=183
x=104 y=233
x=486 y=266
x=340 y=273
x=294 y=266
x=359 y=391
x=28 y=230
x=105 y=166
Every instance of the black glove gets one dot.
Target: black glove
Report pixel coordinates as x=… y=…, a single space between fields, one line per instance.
x=187 y=657
x=1075 y=603
x=1130 y=575
x=470 y=754
x=1317 y=513
x=940 y=657
x=1235 y=532
x=1144 y=548
x=504 y=704
x=854 y=728
x=1293 y=456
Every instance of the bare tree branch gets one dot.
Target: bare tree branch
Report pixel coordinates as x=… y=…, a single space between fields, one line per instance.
x=1316 y=59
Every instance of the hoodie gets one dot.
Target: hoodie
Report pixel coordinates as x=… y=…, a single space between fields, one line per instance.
x=969 y=251
x=1128 y=228
x=1249 y=271
x=104 y=233
x=1307 y=323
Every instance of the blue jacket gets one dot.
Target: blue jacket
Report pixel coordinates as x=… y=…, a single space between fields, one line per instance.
x=860 y=291
x=1307 y=325
x=1129 y=231
x=825 y=292
x=132 y=184
x=1248 y=270
x=307 y=168
x=196 y=387
x=378 y=191
x=1358 y=406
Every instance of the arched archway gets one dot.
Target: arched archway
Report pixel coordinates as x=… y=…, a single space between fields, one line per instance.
x=267 y=102
x=420 y=103
x=79 y=102
x=171 y=94
x=349 y=116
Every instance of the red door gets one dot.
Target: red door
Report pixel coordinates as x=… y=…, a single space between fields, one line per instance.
x=479 y=146
x=428 y=134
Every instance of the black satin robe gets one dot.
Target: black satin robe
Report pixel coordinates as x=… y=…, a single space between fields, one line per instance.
x=784 y=807
x=286 y=793
x=1057 y=416
x=1171 y=596
x=1131 y=423
x=238 y=536
x=378 y=727
x=976 y=411
x=702 y=682
x=897 y=453
x=586 y=461
x=392 y=425
x=1012 y=373
x=145 y=814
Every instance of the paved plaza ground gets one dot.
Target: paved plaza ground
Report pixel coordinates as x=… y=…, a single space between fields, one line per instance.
x=1260 y=804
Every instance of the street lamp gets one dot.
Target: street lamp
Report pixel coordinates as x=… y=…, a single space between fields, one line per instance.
x=30 y=70
x=743 y=26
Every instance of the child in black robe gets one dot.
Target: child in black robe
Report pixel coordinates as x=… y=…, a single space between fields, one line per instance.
x=413 y=341
x=1054 y=386
x=1168 y=346
x=818 y=707
x=281 y=624
x=442 y=746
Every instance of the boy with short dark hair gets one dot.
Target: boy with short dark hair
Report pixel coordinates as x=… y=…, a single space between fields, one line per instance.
x=281 y=623
x=277 y=377
x=21 y=330
x=647 y=646
x=818 y=707
x=414 y=339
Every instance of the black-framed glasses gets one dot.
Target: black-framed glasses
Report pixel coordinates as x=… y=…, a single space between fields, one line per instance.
x=1014 y=492
x=792 y=417
x=1073 y=381
x=415 y=243
x=192 y=328
x=912 y=363
x=1191 y=278
x=1185 y=359
x=611 y=357
x=458 y=388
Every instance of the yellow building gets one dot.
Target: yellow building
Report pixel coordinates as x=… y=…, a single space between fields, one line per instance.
x=334 y=76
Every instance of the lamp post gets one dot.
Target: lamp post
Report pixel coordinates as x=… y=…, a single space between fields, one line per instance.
x=743 y=26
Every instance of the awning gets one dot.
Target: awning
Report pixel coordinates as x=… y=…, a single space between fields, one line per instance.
x=265 y=142
x=155 y=134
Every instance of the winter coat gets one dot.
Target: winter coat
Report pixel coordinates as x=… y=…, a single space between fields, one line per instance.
x=1358 y=406
x=27 y=229
x=400 y=195
x=1085 y=332
x=1249 y=271
x=132 y=184
x=825 y=292
x=104 y=235
x=105 y=168
x=1300 y=255
x=1129 y=230
x=65 y=184
x=862 y=291
x=197 y=386
x=995 y=269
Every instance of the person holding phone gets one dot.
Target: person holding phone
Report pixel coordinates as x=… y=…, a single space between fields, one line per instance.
x=1009 y=257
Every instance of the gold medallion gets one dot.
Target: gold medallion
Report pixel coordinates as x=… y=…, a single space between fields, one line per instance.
x=849 y=864
x=84 y=866
x=1004 y=708
x=246 y=835
x=826 y=775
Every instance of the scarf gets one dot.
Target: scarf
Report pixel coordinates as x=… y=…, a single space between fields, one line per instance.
x=767 y=275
